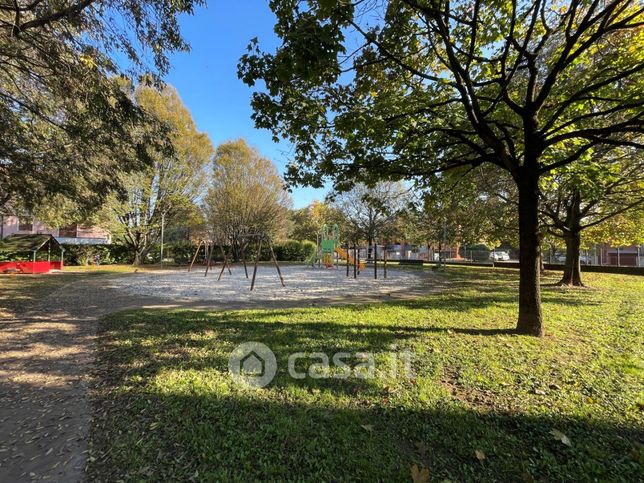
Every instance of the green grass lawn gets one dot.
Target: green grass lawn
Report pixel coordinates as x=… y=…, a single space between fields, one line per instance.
x=483 y=404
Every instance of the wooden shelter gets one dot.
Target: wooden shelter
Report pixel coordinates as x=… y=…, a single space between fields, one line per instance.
x=37 y=249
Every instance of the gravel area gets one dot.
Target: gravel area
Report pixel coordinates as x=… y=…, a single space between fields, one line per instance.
x=301 y=284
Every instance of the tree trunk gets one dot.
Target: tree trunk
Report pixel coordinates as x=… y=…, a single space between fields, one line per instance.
x=530 y=319
x=137 y=258
x=572 y=268
x=572 y=236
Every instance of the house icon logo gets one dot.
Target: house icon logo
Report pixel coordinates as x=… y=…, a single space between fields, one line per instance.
x=253 y=363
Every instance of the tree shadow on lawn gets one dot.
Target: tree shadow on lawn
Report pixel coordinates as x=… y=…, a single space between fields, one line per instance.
x=266 y=435
x=165 y=409
x=192 y=341
x=505 y=284
x=178 y=331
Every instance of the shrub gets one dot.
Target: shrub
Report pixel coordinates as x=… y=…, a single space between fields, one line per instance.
x=85 y=254
x=181 y=251
x=285 y=251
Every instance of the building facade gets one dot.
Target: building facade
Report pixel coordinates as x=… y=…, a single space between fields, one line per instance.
x=71 y=234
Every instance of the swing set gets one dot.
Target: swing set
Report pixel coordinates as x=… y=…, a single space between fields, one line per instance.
x=240 y=242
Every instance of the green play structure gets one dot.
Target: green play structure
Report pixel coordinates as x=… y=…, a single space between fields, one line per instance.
x=328 y=245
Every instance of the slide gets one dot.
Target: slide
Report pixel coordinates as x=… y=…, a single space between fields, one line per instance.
x=343 y=253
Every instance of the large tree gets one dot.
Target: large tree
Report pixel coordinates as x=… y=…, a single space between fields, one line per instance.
x=457 y=211
x=592 y=192
x=246 y=196
x=67 y=126
x=371 y=212
x=163 y=191
x=412 y=88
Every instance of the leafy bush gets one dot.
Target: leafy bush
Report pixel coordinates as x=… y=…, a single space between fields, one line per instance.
x=294 y=250
x=85 y=254
x=181 y=251
x=308 y=248
x=286 y=251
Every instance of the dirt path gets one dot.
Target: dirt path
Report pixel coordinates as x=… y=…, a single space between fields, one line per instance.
x=46 y=351
x=46 y=354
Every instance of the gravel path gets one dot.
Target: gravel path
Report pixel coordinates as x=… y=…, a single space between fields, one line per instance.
x=46 y=347
x=302 y=285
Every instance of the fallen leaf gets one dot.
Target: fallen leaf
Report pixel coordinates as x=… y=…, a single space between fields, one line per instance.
x=528 y=478
x=540 y=392
x=559 y=436
x=480 y=455
x=419 y=475
x=367 y=427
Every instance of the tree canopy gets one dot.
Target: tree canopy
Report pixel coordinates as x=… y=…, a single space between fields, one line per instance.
x=411 y=88
x=246 y=196
x=371 y=213
x=67 y=126
x=307 y=222
x=171 y=183
x=589 y=193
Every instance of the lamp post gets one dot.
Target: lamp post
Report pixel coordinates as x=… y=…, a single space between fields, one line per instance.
x=162 y=229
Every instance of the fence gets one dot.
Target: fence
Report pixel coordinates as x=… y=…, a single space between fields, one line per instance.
x=600 y=256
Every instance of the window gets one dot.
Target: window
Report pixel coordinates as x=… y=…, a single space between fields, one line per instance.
x=68 y=231
x=25 y=224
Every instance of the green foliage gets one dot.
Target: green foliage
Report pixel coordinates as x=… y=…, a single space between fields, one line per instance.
x=286 y=251
x=307 y=222
x=409 y=90
x=246 y=195
x=461 y=208
x=85 y=254
x=181 y=252
x=485 y=404
x=371 y=213
x=68 y=123
x=166 y=190
x=431 y=86
x=294 y=250
x=600 y=198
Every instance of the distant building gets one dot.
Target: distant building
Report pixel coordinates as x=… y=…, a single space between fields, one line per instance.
x=631 y=256
x=71 y=234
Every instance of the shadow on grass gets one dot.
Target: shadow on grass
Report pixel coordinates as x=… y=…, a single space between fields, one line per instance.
x=209 y=436
x=165 y=409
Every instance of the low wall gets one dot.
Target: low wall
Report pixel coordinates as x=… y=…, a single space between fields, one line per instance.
x=30 y=267
x=408 y=262
x=584 y=268
x=547 y=266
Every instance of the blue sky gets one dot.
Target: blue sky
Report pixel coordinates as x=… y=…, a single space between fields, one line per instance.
x=206 y=77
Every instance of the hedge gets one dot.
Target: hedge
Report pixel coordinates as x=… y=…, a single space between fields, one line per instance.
x=86 y=254
x=181 y=253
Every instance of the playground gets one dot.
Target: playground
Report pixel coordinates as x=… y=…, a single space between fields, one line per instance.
x=302 y=283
